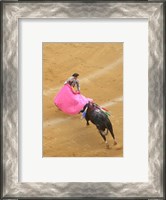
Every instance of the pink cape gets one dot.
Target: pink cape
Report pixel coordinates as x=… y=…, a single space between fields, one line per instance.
x=69 y=101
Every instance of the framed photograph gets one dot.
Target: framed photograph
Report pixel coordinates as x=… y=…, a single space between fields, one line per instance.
x=82 y=109
x=97 y=63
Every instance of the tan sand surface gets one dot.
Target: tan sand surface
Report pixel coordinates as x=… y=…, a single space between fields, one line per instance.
x=100 y=66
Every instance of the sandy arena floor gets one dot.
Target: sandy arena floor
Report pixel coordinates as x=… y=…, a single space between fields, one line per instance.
x=100 y=66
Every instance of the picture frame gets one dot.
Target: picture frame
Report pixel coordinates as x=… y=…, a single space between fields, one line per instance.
x=11 y=12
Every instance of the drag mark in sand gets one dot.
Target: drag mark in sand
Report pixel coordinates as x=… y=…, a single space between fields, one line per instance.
x=113 y=102
x=88 y=78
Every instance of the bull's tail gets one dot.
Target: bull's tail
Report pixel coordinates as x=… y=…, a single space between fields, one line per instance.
x=110 y=128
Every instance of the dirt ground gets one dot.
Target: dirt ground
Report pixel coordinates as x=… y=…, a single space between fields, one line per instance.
x=100 y=66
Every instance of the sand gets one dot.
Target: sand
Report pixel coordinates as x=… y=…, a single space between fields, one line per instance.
x=100 y=66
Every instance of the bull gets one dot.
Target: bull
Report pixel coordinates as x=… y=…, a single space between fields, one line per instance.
x=92 y=112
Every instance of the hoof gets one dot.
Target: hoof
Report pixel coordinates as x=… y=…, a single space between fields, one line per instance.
x=115 y=143
x=107 y=146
